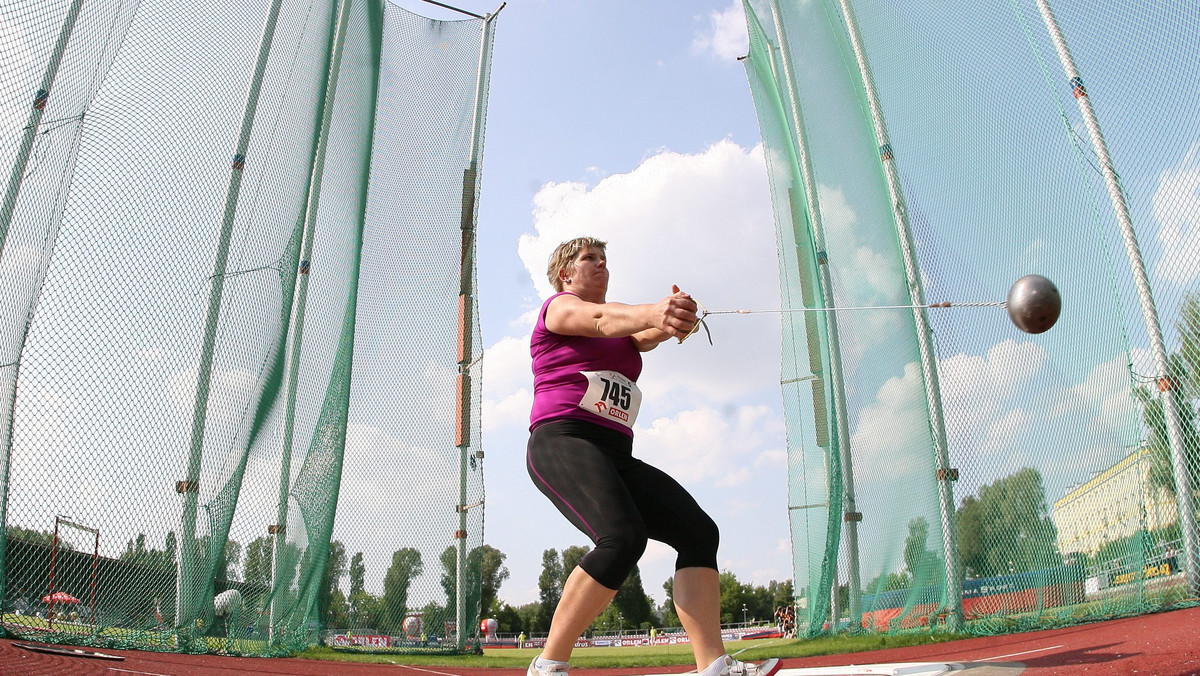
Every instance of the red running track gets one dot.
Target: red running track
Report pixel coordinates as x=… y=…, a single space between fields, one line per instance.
x=1163 y=644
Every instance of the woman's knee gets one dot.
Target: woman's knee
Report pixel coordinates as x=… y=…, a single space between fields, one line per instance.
x=628 y=545
x=699 y=548
x=615 y=556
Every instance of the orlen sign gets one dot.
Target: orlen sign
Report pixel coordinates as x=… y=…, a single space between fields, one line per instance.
x=343 y=640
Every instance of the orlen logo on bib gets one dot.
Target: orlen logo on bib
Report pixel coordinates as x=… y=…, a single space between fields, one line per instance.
x=617 y=413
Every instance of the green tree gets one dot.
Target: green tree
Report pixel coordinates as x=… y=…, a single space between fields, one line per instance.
x=1184 y=370
x=493 y=574
x=1162 y=463
x=733 y=596
x=760 y=602
x=473 y=584
x=41 y=537
x=508 y=619
x=364 y=609
x=610 y=621
x=358 y=571
x=571 y=556
x=530 y=614
x=233 y=559
x=1188 y=326
x=135 y=549
x=923 y=565
x=260 y=554
x=361 y=606
x=633 y=603
x=138 y=551
x=971 y=548
x=338 y=613
x=449 y=579
x=669 y=617
x=550 y=584
x=784 y=593
x=885 y=582
x=1008 y=528
x=331 y=581
x=406 y=565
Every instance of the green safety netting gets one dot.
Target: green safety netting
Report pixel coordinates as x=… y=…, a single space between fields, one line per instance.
x=239 y=375
x=946 y=469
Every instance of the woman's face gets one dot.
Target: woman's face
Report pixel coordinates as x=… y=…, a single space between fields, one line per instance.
x=591 y=272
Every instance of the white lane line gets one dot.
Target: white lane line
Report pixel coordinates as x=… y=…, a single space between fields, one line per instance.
x=127 y=671
x=430 y=671
x=1027 y=652
x=757 y=645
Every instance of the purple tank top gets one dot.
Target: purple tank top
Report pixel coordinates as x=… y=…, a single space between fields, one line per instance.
x=558 y=385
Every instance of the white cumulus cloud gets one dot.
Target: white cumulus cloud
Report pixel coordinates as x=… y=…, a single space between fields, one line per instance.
x=671 y=221
x=1177 y=209
x=703 y=444
x=725 y=36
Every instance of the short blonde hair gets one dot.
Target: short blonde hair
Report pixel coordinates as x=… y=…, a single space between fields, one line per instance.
x=564 y=255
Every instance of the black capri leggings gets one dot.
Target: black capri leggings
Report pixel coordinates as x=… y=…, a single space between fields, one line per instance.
x=588 y=471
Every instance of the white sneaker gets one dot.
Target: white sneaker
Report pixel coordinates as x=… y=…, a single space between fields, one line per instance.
x=737 y=668
x=552 y=670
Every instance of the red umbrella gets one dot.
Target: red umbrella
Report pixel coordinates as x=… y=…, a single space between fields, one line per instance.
x=60 y=597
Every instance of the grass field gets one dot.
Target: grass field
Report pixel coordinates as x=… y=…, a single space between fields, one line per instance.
x=122 y=637
x=595 y=657
x=623 y=657
x=647 y=656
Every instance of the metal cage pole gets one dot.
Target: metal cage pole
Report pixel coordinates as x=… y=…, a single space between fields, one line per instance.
x=8 y=384
x=53 y=559
x=278 y=530
x=466 y=310
x=850 y=514
x=95 y=573
x=1166 y=387
x=456 y=9
x=945 y=475
x=29 y=132
x=186 y=605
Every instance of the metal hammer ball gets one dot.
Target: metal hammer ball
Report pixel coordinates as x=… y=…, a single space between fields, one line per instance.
x=1034 y=304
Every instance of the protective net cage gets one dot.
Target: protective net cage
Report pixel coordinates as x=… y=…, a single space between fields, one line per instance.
x=946 y=469
x=239 y=375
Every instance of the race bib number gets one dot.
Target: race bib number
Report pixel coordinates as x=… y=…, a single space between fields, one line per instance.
x=612 y=396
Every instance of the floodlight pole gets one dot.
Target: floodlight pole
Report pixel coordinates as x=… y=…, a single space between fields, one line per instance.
x=1166 y=385
x=850 y=515
x=945 y=475
x=466 y=311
